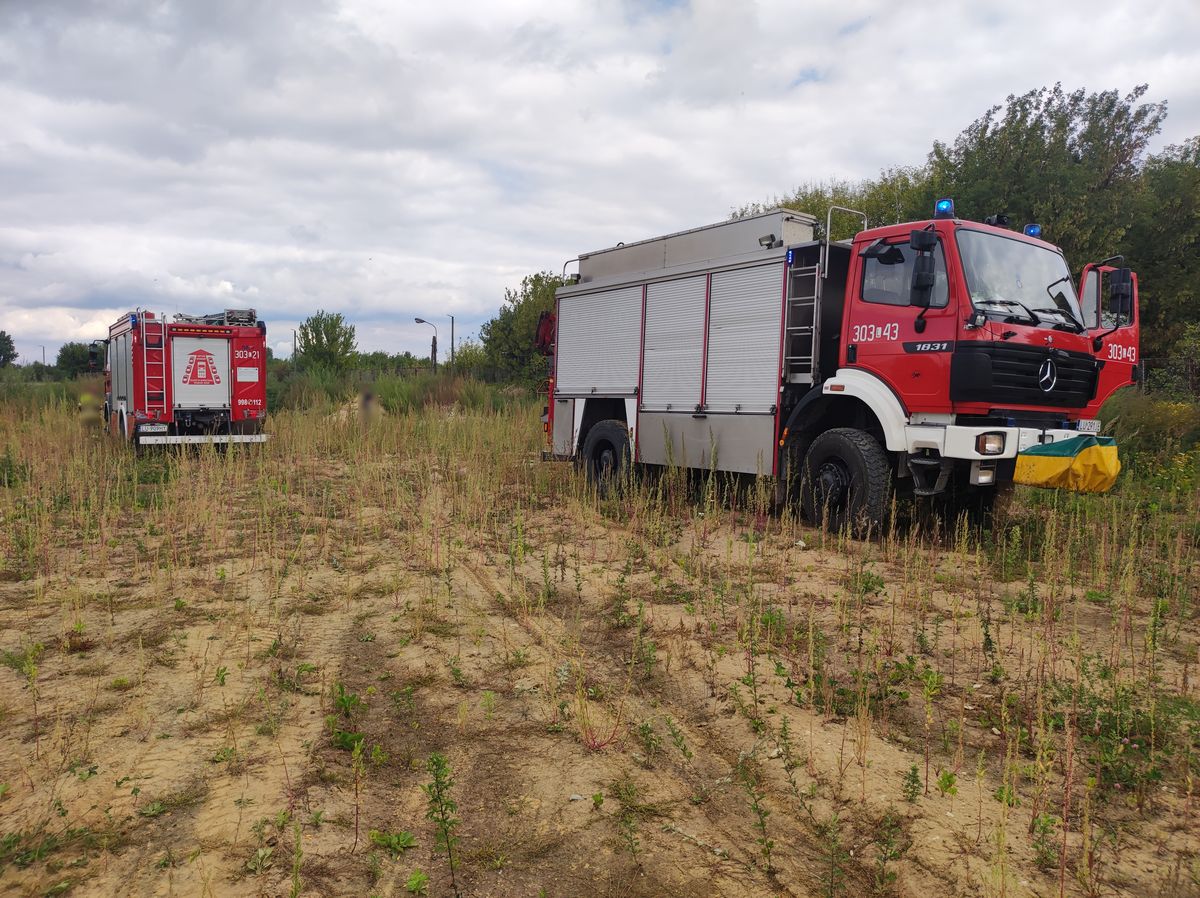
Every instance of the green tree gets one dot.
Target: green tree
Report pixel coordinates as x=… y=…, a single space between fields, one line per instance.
x=1075 y=162
x=1164 y=248
x=470 y=358
x=325 y=340
x=508 y=339
x=8 y=349
x=1069 y=161
x=382 y=361
x=901 y=193
x=374 y=361
x=36 y=371
x=72 y=360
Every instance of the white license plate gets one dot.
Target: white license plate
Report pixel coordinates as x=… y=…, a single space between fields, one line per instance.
x=1089 y=425
x=153 y=428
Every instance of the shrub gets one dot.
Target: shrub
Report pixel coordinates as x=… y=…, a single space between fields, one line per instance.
x=1151 y=425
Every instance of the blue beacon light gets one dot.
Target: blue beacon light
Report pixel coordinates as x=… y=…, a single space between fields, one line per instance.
x=943 y=208
x=1033 y=230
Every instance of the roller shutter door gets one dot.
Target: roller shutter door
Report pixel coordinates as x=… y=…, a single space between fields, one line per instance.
x=674 y=351
x=599 y=342
x=743 y=340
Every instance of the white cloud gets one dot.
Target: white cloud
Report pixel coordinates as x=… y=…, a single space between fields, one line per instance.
x=392 y=160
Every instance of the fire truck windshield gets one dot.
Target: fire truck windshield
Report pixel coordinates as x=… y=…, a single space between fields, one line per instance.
x=1009 y=277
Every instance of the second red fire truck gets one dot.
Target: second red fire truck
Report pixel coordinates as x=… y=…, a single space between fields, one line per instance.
x=196 y=379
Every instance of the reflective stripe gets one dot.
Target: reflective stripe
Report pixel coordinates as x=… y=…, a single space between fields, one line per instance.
x=216 y=438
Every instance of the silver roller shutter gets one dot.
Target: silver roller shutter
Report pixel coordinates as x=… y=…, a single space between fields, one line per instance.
x=674 y=351
x=599 y=342
x=743 y=340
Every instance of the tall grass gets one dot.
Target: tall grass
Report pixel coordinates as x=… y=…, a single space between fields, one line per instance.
x=1053 y=656
x=321 y=388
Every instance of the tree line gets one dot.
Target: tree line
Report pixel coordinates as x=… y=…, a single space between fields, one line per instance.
x=71 y=361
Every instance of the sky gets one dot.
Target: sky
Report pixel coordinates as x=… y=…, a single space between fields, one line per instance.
x=392 y=159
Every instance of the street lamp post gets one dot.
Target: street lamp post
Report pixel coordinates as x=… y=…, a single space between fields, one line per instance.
x=453 y=370
x=433 y=346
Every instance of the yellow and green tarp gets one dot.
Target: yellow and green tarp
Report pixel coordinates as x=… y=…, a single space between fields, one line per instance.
x=1084 y=463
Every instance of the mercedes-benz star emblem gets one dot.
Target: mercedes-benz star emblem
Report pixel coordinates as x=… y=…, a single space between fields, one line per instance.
x=1047 y=375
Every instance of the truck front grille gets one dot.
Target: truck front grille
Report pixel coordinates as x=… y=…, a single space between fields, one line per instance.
x=1004 y=374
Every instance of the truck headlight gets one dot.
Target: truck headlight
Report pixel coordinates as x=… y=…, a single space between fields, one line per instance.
x=989 y=443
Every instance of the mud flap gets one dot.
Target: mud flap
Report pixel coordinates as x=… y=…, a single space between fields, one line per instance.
x=1084 y=463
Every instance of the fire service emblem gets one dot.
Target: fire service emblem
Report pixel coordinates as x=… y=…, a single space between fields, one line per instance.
x=200 y=370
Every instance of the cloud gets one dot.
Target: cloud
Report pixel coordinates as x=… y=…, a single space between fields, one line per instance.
x=398 y=160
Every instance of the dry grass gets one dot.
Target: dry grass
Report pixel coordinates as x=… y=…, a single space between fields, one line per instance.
x=675 y=692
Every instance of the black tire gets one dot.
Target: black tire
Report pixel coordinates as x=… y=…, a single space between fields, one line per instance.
x=605 y=455
x=846 y=481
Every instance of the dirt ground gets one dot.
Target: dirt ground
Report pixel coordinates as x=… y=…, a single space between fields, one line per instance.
x=630 y=705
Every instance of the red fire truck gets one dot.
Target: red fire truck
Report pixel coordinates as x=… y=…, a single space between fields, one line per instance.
x=919 y=358
x=196 y=379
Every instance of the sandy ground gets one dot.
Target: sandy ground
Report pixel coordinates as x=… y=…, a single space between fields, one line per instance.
x=174 y=734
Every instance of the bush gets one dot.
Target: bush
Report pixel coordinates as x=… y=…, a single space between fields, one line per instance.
x=19 y=392
x=316 y=386
x=400 y=395
x=1151 y=425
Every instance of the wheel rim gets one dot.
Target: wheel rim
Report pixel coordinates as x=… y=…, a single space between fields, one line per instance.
x=606 y=461
x=831 y=484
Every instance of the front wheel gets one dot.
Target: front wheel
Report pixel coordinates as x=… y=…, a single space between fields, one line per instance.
x=846 y=481
x=606 y=455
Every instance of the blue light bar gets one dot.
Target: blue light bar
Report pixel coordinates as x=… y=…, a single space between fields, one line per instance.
x=789 y=256
x=944 y=208
x=1033 y=230
x=132 y=320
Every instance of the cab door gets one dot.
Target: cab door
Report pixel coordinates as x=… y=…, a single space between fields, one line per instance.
x=905 y=346
x=1108 y=298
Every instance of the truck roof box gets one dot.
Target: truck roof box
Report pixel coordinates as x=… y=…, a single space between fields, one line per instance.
x=715 y=241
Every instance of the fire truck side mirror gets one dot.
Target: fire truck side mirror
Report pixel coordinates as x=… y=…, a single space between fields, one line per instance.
x=923 y=279
x=923 y=241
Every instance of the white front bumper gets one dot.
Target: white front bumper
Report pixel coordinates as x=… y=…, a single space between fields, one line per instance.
x=955 y=441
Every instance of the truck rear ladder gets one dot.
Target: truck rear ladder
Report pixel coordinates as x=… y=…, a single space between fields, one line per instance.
x=154 y=366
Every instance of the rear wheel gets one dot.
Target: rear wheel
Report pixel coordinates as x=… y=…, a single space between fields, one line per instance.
x=606 y=455
x=846 y=481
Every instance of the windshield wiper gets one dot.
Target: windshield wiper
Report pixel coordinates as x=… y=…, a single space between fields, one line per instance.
x=1068 y=317
x=1010 y=302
